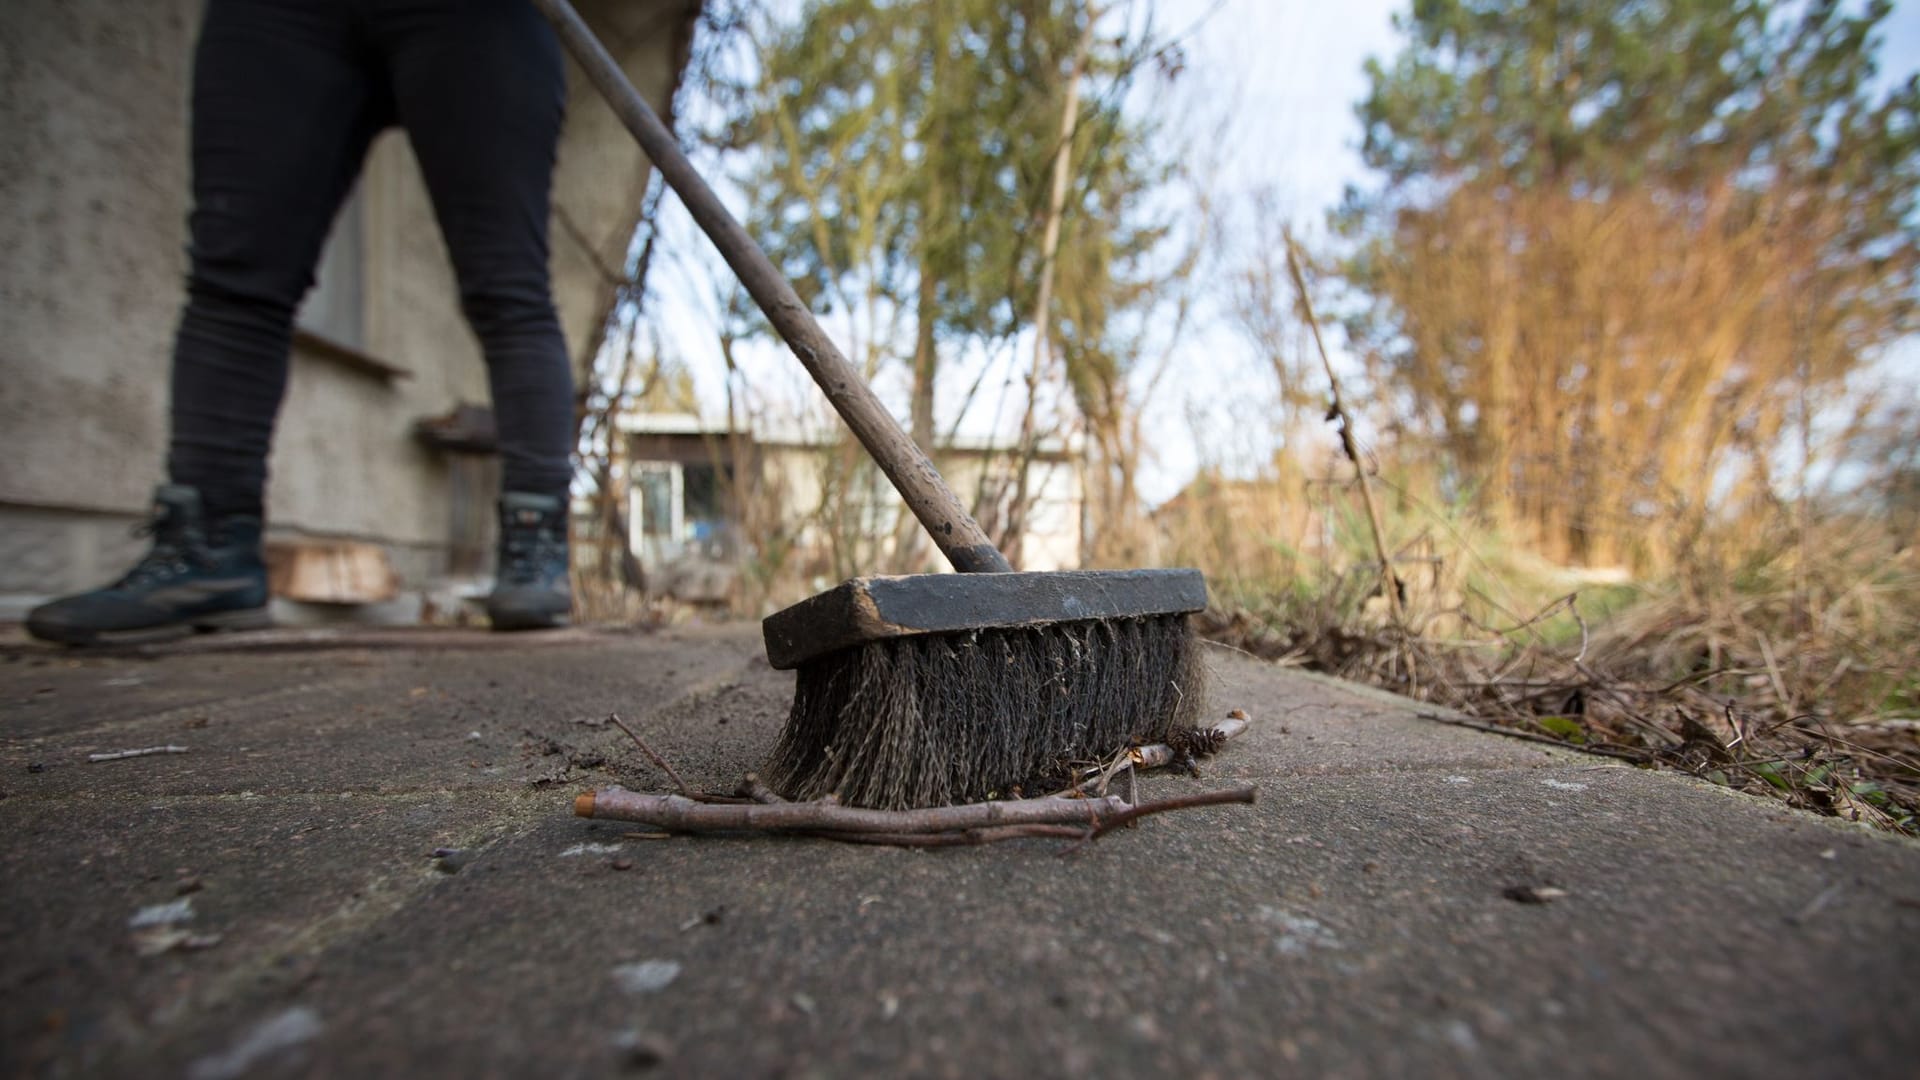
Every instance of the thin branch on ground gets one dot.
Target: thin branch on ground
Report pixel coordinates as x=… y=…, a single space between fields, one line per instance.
x=1077 y=813
x=1638 y=757
x=1244 y=793
x=1083 y=820
x=961 y=838
x=1095 y=778
x=752 y=788
x=684 y=814
x=122 y=755
x=614 y=719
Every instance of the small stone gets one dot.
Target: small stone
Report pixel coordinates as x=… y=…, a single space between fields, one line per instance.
x=188 y=885
x=622 y=863
x=177 y=911
x=646 y=976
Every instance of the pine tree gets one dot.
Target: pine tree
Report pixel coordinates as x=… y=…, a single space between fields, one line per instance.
x=902 y=163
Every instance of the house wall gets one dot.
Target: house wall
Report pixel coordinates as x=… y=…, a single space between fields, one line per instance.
x=93 y=203
x=787 y=483
x=1052 y=540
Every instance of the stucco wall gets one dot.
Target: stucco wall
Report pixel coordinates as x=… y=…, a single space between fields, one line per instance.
x=92 y=198
x=93 y=202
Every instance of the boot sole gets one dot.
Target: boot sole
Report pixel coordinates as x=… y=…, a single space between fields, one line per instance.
x=250 y=619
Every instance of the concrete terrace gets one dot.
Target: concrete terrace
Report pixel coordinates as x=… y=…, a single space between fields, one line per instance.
x=1355 y=922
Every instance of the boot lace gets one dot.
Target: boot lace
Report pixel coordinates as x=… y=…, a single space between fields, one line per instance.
x=176 y=550
x=528 y=551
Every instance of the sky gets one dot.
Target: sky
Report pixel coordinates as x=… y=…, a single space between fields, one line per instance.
x=1284 y=75
x=1265 y=104
x=1289 y=73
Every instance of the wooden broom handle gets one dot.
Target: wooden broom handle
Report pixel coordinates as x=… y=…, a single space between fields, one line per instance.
x=945 y=517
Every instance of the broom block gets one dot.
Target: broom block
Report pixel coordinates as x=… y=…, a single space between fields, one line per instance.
x=871 y=609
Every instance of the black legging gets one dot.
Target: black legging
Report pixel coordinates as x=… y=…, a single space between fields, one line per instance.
x=287 y=95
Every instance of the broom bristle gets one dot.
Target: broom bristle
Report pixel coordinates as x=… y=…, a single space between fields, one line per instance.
x=939 y=719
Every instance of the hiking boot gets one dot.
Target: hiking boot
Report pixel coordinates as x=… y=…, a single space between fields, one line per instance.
x=530 y=588
x=196 y=577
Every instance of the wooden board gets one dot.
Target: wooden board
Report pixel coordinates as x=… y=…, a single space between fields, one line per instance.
x=330 y=571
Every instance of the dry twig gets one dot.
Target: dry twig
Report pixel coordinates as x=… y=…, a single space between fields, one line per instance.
x=122 y=755
x=1084 y=820
x=614 y=719
x=1243 y=793
x=684 y=814
x=752 y=788
x=1095 y=778
x=1638 y=757
x=1337 y=410
x=961 y=838
x=1074 y=814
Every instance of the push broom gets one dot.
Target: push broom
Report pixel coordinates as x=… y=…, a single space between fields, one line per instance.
x=934 y=689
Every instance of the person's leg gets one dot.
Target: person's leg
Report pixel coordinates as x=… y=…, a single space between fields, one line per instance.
x=286 y=99
x=480 y=88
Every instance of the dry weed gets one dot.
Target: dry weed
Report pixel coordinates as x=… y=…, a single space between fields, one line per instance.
x=1793 y=674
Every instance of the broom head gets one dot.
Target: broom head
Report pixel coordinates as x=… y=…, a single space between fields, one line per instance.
x=937 y=689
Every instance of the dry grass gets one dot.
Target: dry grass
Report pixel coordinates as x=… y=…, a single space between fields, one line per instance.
x=1794 y=673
